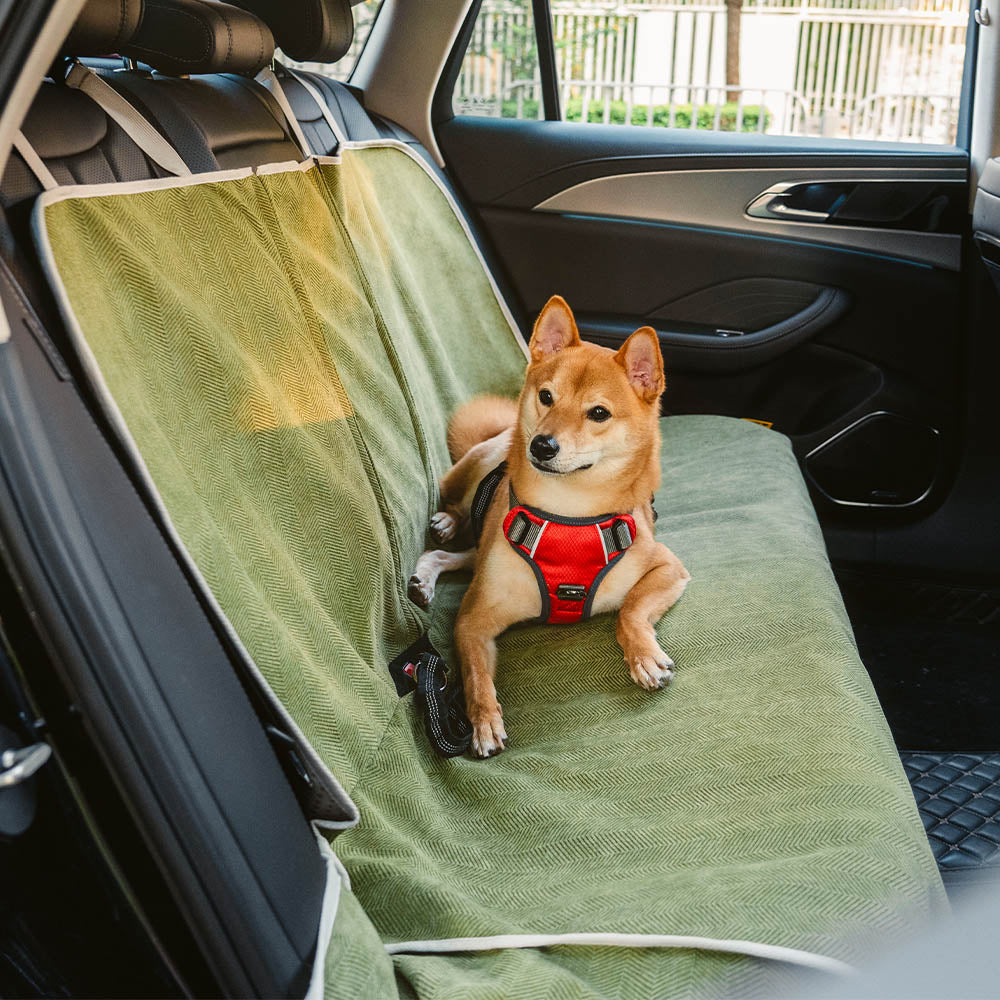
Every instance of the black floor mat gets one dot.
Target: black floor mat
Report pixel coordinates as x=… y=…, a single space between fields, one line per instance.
x=958 y=795
x=933 y=653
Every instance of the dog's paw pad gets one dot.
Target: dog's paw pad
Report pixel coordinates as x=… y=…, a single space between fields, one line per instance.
x=651 y=672
x=489 y=737
x=443 y=527
x=419 y=592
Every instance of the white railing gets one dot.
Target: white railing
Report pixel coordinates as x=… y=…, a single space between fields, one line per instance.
x=826 y=65
x=718 y=108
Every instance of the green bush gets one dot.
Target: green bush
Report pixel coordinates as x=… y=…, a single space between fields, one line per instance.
x=661 y=114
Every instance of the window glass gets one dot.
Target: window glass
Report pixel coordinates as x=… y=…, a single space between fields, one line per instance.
x=863 y=69
x=499 y=76
x=364 y=17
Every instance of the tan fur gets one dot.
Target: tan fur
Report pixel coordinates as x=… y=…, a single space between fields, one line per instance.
x=478 y=420
x=623 y=455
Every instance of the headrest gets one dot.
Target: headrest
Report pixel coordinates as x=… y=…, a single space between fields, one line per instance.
x=173 y=36
x=189 y=36
x=103 y=27
x=307 y=30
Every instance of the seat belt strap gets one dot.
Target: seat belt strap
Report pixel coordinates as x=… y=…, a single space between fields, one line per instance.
x=34 y=162
x=135 y=126
x=267 y=78
x=327 y=113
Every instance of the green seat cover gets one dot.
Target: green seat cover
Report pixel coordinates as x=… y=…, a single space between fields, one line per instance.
x=284 y=349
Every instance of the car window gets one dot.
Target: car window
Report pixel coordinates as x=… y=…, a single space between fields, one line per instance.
x=862 y=69
x=364 y=17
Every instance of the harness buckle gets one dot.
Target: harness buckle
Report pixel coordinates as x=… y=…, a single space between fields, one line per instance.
x=571 y=592
x=617 y=536
x=518 y=528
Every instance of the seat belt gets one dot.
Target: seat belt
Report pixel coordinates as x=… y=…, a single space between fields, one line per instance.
x=313 y=92
x=135 y=126
x=34 y=162
x=267 y=79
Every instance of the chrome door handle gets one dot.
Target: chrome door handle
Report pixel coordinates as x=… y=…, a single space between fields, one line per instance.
x=770 y=204
x=18 y=764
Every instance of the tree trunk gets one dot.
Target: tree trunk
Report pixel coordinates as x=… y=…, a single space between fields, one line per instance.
x=734 y=12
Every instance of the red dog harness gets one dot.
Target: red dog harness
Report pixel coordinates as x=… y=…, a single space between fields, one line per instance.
x=570 y=556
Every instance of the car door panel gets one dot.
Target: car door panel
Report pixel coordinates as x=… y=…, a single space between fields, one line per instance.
x=815 y=327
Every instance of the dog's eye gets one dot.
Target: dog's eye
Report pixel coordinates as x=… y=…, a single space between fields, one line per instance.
x=545 y=397
x=598 y=414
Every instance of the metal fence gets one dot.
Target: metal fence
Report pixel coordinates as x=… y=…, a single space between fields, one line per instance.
x=880 y=69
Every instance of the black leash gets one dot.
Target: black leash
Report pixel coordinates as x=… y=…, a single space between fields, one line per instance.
x=421 y=669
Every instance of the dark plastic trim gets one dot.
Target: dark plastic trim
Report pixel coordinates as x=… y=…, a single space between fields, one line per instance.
x=441 y=106
x=700 y=352
x=545 y=40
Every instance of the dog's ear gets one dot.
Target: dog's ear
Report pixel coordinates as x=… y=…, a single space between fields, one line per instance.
x=643 y=363
x=555 y=329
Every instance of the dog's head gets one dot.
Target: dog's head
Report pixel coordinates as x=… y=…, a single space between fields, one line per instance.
x=585 y=406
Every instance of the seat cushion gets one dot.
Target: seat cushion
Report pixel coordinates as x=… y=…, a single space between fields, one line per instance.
x=759 y=796
x=282 y=350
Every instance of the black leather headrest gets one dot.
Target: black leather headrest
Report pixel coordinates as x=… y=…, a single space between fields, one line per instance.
x=307 y=30
x=190 y=36
x=102 y=27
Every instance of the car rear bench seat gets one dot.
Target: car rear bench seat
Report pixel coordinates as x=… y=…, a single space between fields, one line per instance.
x=279 y=350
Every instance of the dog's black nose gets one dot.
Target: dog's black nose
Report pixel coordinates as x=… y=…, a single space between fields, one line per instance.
x=544 y=447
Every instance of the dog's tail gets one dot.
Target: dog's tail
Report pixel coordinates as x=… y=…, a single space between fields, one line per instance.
x=481 y=418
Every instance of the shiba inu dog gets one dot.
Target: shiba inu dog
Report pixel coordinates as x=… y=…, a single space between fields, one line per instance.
x=558 y=489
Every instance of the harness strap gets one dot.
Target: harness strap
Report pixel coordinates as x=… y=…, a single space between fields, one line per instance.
x=485 y=492
x=34 y=162
x=267 y=79
x=135 y=126
x=324 y=108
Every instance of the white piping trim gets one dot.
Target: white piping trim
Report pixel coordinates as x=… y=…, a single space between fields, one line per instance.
x=65 y=191
x=324 y=108
x=495 y=942
x=34 y=162
x=545 y=524
x=604 y=548
x=139 y=130
x=269 y=81
x=327 y=916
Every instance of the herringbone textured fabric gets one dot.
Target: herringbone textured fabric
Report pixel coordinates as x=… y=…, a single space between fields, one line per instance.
x=285 y=350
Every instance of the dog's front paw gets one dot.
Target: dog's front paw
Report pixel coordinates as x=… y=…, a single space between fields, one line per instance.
x=443 y=527
x=488 y=732
x=650 y=668
x=420 y=591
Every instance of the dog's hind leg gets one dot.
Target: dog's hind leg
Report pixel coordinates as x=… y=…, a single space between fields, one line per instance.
x=430 y=566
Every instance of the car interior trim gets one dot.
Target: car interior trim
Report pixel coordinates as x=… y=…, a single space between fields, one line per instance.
x=692 y=197
x=398 y=78
x=842 y=433
x=45 y=49
x=736 y=234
